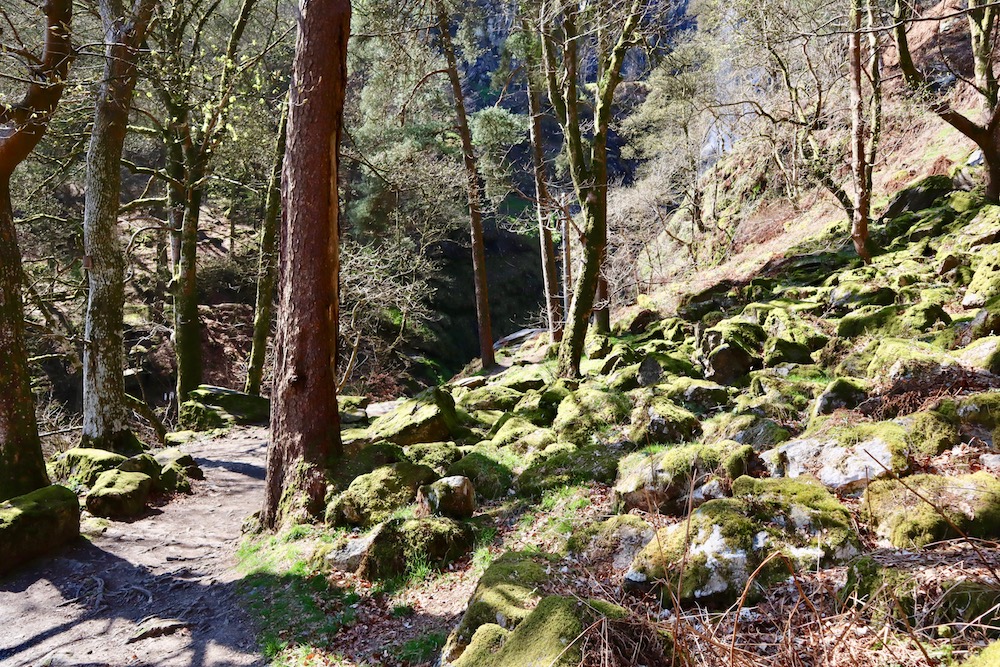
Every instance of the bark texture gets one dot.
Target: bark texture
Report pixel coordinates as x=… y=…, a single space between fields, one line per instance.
x=267 y=269
x=305 y=428
x=22 y=467
x=105 y=407
x=474 y=190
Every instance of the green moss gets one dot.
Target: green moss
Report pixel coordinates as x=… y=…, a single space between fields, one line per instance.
x=588 y=410
x=80 y=466
x=988 y=657
x=986 y=280
x=930 y=433
x=373 y=497
x=981 y=409
x=491 y=397
x=695 y=394
x=491 y=477
x=604 y=536
x=36 y=523
x=244 y=408
x=436 y=455
x=525 y=378
x=657 y=419
x=970 y=502
x=432 y=541
x=548 y=636
x=119 y=494
x=198 y=416
x=145 y=464
x=598 y=463
x=367 y=459
x=428 y=417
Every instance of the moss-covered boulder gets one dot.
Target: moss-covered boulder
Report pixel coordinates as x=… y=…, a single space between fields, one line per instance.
x=982 y=409
x=930 y=432
x=570 y=465
x=400 y=543
x=198 y=416
x=449 y=496
x=145 y=464
x=36 y=523
x=657 y=419
x=373 y=497
x=897 y=512
x=532 y=377
x=779 y=351
x=845 y=457
x=731 y=537
x=243 y=408
x=988 y=657
x=698 y=395
x=842 y=393
x=436 y=455
x=589 y=410
x=491 y=476
x=505 y=595
x=547 y=637
x=82 y=466
x=523 y=436
x=851 y=295
x=718 y=298
x=491 y=397
x=731 y=349
x=119 y=494
x=174 y=478
x=618 y=539
x=173 y=455
x=428 y=417
x=661 y=481
x=985 y=283
x=748 y=429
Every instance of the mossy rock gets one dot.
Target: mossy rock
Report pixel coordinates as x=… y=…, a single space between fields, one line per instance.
x=399 y=543
x=119 y=494
x=436 y=455
x=522 y=379
x=535 y=409
x=657 y=419
x=588 y=410
x=981 y=409
x=988 y=657
x=491 y=397
x=982 y=354
x=198 y=416
x=985 y=283
x=171 y=455
x=80 y=466
x=372 y=456
x=373 y=497
x=731 y=537
x=174 y=478
x=844 y=457
x=449 y=496
x=491 y=478
x=930 y=432
x=37 y=523
x=970 y=502
x=428 y=417
x=554 y=394
x=523 y=436
x=145 y=464
x=759 y=432
x=244 y=408
x=779 y=351
x=731 y=349
x=617 y=539
x=870 y=319
x=786 y=323
x=504 y=596
x=547 y=637
x=634 y=322
x=570 y=465
x=661 y=481
x=853 y=295
x=893 y=359
x=694 y=394
x=842 y=393
x=718 y=298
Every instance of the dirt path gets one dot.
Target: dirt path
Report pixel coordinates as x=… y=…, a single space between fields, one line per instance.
x=170 y=573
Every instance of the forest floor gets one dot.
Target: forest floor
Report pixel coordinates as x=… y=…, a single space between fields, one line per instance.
x=160 y=590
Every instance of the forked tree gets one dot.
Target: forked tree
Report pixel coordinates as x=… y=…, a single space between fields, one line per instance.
x=22 y=125
x=305 y=425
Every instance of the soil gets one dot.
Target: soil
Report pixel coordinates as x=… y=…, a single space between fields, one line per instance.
x=159 y=590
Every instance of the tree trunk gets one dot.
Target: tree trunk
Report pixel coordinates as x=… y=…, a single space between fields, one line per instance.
x=567 y=261
x=474 y=190
x=267 y=266
x=571 y=349
x=105 y=410
x=22 y=467
x=859 y=139
x=22 y=125
x=551 y=281
x=305 y=426
x=187 y=323
x=602 y=309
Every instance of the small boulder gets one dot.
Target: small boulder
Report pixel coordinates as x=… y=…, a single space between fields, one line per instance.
x=82 y=466
x=490 y=477
x=36 y=523
x=373 y=497
x=436 y=455
x=491 y=397
x=731 y=349
x=618 y=539
x=174 y=478
x=119 y=494
x=698 y=395
x=569 y=464
x=657 y=419
x=898 y=514
x=145 y=464
x=428 y=417
x=589 y=409
x=244 y=408
x=397 y=544
x=842 y=393
x=449 y=496
x=186 y=462
x=985 y=283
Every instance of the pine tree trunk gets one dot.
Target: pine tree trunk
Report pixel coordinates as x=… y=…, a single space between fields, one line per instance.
x=305 y=426
x=474 y=190
x=105 y=411
x=267 y=266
